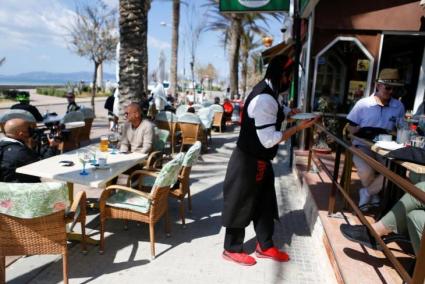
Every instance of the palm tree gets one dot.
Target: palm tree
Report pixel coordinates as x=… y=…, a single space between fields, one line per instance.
x=248 y=44
x=174 y=46
x=133 y=65
x=232 y=25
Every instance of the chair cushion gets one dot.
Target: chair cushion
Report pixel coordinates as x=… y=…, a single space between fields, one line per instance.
x=192 y=154
x=129 y=200
x=148 y=181
x=169 y=172
x=31 y=200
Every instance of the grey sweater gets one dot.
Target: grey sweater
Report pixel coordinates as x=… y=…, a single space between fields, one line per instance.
x=138 y=139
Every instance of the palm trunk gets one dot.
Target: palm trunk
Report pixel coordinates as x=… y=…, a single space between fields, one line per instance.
x=174 y=46
x=93 y=91
x=235 y=42
x=133 y=51
x=244 y=70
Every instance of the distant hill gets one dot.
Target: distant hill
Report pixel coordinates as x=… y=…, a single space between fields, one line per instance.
x=46 y=78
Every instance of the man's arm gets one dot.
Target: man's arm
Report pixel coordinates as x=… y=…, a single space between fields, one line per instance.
x=147 y=139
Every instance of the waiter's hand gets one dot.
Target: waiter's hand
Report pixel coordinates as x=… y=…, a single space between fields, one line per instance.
x=292 y=112
x=308 y=123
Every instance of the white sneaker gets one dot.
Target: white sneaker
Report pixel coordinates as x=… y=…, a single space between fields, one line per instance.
x=375 y=200
x=364 y=197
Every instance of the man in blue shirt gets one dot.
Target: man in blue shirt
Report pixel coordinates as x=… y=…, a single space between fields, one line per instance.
x=379 y=111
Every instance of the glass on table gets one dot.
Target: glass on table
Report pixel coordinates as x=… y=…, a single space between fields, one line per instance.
x=84 y=157
x=113 y=142
x=103 y=146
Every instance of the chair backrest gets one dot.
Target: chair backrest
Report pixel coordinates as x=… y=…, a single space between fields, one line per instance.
x=190 y=118
x=190 y=132
x=206 y=115
x=73 y=116
x=192 y=154
x=169 y=172
x=161 y=138
x=30 y=200
x=87 y=112
x=218 y=117
x=181 y=109
x=216 y=108
x=166 y=116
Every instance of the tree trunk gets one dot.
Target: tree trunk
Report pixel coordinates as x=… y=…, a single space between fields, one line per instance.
x=235 y=42
x=244 y=71
x=133 y=51
x=174 y=46
x=94 y=88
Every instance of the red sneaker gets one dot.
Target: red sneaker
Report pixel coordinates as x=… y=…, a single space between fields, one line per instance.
x=239 y=257
x=272 y=253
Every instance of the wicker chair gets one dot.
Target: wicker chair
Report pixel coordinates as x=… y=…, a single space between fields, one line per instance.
x=85 y=131
x=72 y=136
x=155 y=158
x=217 y=121
x=168 y=121
x=124 y=202
x=182 y=188
x=45 y=234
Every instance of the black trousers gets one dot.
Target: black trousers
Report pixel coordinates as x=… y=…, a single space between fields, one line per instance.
x=263 y=226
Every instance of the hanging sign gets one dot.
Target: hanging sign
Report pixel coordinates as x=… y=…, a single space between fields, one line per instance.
x=254 y=5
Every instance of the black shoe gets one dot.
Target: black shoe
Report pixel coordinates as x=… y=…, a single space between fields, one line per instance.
x=359 y=234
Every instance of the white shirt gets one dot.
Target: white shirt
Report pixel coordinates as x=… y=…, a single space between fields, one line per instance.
x=263 y=109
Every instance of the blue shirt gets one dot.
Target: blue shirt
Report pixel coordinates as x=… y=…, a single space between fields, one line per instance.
x=368 y=113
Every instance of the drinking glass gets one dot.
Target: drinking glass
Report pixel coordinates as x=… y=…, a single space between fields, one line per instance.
x=103 y=146
x=84 y=158
x=113 y=142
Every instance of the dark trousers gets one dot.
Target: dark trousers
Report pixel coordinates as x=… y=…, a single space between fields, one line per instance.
x=263 y=226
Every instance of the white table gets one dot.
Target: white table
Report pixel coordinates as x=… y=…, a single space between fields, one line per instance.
x=51 y=168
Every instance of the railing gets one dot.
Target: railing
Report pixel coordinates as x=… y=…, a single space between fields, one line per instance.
x=402 y=183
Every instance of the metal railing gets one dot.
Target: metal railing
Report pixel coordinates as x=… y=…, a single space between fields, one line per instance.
x=343 y=185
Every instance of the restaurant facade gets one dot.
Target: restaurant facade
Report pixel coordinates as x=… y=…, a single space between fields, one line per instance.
x=346 y=43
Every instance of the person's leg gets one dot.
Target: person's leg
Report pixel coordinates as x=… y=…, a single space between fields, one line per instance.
x=233 y=239
x=233 y=247
x=415 y=227
x=395 y=219
x=264 y=227
x=365 y=172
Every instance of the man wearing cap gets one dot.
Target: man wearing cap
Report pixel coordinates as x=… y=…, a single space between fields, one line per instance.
x=378 y=112
x=24 y=104
x=248 y=188
x=72 y=106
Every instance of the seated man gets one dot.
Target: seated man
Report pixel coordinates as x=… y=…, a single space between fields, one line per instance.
x=72 y=105
x=24 y=104
x=138 y=133
x=380 y=112
x=15 y=153
x=406 y=217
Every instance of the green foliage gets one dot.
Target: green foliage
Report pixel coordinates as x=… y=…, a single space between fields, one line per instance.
x=52 y=91
x=14 y=94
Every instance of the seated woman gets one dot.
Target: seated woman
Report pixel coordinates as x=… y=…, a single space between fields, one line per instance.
x=406 y=217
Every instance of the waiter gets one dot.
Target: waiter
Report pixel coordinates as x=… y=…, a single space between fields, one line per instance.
x=248 y=189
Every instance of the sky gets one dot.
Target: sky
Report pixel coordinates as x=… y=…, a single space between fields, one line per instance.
x=33 y=37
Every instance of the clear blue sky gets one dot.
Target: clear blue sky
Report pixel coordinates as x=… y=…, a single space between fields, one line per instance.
x=32 y=37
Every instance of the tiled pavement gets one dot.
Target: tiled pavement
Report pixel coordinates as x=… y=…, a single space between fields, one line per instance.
x=193 y=255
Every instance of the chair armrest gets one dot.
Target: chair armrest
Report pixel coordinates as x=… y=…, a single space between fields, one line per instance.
x=140 y=173
x=79 y=202
x=153 y=157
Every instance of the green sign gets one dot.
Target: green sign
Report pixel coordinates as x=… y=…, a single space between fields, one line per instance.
x=254 y=5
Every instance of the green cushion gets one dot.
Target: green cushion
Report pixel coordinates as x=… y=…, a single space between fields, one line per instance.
x=169 y=172
x=129 y=200
x=31 y=200
x=192 y=154
x=148 y=181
